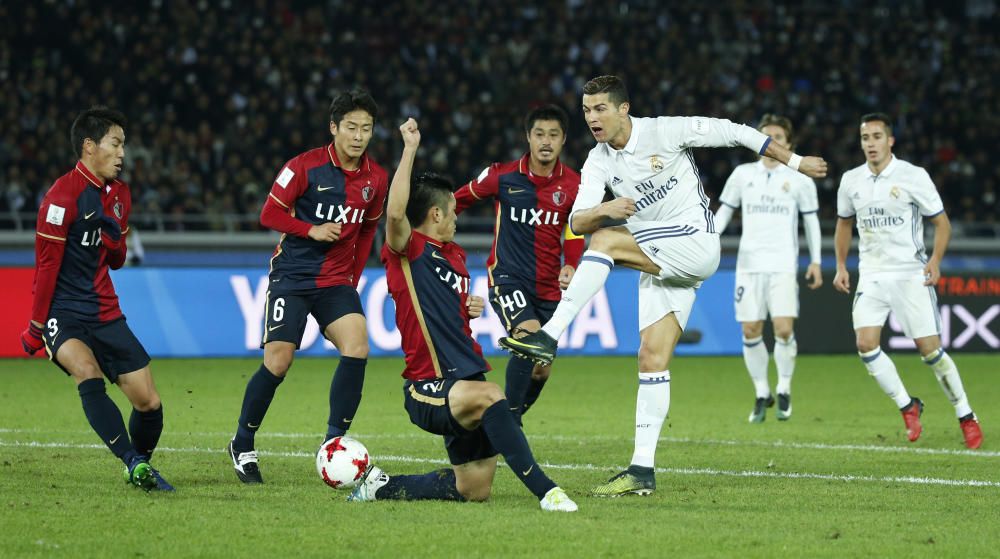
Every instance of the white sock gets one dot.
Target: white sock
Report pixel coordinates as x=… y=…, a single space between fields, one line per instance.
x=651 y=406
x=587 y=281
x=784 y=358
x=882 y=369
x=756 y=358
x=947 y=376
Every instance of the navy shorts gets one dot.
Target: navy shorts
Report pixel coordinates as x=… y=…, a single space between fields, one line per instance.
x=427 y=403
x=515 y=305
x=286 y=313
x=116 y=348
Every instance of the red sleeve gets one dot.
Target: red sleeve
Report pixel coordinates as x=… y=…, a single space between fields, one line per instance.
x=572 y=251
x=276 y=217
x=55 y=216
x=484 y=186
x=290 y=183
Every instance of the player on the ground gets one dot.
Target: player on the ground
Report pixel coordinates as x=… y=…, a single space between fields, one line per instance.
x=326 y=202
x=889 y=198
x=770 y=197
x=446 y=391
x=81 y=232
x=533 y=196
x=669 y=236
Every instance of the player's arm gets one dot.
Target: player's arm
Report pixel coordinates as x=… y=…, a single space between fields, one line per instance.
x=700 y=131
x=729 y=201
x=52 y=229
x=841 y=246
x=589 y=212
x=942 y=234
x=397 y=228
x=486 y=185
x=573 y=246
x=277 y=211
x=808 y=203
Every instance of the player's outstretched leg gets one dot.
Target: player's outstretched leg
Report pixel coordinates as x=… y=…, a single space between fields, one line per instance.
x=785 y=351
x=538 y=347
x=378 y=485
x=518 y=383
x=534 y=391
x=951 y=383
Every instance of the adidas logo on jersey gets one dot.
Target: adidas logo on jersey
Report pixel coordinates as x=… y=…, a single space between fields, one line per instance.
x=615 y=181
x=339 y=214
x=533 y=216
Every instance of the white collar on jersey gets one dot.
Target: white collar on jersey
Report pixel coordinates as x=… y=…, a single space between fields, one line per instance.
x=885 y=172
x=633 y=139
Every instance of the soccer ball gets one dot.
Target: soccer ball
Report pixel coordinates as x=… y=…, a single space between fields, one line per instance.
x=342 y=462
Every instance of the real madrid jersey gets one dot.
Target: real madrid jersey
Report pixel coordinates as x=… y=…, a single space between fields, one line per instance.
x=770 y=201
x=656 y=168
x=889 y=211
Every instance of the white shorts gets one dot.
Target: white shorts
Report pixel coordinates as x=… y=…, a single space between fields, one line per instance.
x=913 y=303
x=685 y=256
x=759 y=294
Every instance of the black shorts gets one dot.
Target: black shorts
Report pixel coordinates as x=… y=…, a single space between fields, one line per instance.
x=286 y=313
x=116 y=348
x=427 y=403
x=515 y=305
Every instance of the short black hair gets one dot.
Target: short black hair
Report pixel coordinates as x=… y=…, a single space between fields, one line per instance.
x=546 y=112
x=94 y=123
x=612 y=85
x=881 y=117
x=347 y=101
x=771 y=119
x=427 y=190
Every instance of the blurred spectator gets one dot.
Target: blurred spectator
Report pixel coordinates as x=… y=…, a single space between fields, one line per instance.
x=219 y=94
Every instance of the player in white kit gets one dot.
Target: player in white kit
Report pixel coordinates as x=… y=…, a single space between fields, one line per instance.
x=889 y=198
x=669 y=235
x=770 y=197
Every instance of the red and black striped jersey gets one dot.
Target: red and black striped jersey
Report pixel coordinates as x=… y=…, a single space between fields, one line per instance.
x=72 y=261
x=315 y=189
x=532 y=214
x=429 y=284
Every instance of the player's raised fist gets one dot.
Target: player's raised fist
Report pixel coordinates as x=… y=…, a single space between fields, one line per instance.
x=410 y=132
x=325 y=233
x=476 y=305
x=813 y=166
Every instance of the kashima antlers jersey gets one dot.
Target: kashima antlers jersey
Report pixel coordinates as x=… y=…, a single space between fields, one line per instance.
x=531 y=218
x=317 y=190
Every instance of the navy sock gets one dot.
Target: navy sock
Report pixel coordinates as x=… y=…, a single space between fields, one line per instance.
x=533 y=392
x=105 y=418
x=439 y=484
x=145 y=428
x=518 y=379
x=507 y=437
x=345 y=395
x=256 y=400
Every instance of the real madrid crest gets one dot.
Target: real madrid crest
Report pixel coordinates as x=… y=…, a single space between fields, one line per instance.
x=558 y=197
x=655 y=164
x=786 y=187
x=367 y=193
x=894 y=192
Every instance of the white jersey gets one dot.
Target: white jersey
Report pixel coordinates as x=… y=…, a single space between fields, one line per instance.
x=889 y=209
x=657 y=170
x=770 y=201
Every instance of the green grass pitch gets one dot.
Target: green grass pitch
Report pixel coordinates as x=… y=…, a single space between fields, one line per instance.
x=837 y=480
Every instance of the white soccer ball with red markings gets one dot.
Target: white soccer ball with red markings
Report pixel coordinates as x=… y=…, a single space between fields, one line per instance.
x=342 y=462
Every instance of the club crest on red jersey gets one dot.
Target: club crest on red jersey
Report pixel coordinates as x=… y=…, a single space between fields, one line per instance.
x=367 y=193
x=558 y=197
x=119 y=209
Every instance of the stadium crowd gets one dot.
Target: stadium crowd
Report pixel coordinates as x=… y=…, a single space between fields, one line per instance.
x=220 y=94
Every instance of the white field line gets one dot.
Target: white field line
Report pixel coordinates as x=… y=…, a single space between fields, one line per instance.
x=778 y=444
x=588 y=467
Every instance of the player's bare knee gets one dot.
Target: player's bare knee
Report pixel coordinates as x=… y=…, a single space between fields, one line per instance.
x=602 y=241
x=475 y=492
x=784 y=333
x=753 y=330
x=147 y=402
x=278 y=362
x=357 y=349
x=866 y=345
x=651 y=359
x=490 y=394
x=86 y=371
